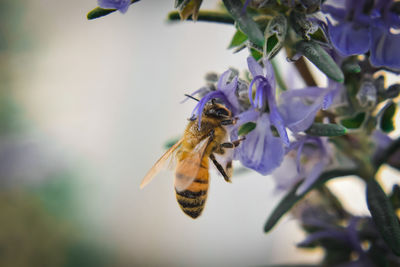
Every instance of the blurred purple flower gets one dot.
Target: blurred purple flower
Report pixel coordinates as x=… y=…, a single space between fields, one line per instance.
x=225 y=92
x=121 y=5
x=309 y=156
x=362 y=27
x=348 y=236
x=299 y=107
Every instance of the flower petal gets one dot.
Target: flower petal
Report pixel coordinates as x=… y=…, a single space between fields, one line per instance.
x=296 y=113
x=384 y=48
x=121 y=5
x=349 y=38
x=254 y=68
x=261 y=151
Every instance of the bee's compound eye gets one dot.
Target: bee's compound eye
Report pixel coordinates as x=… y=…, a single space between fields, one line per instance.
x=222 y=112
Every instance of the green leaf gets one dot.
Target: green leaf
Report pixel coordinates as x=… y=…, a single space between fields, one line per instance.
x=246 y=128
x=326 y=129
x=275 y=35
x=256 y=54
x=383 y=215
x=386 y=122
x=353 y=122
x=188 y=8
x=321 y=59
x=99 y=12
x=246 y=24
x=238 y=39
x=292 y=198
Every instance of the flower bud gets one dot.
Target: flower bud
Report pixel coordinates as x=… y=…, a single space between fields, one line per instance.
x=302 y=25
x=367 y=94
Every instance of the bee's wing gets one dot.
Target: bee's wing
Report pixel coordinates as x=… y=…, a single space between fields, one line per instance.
x=188 y=168
x=159 y=164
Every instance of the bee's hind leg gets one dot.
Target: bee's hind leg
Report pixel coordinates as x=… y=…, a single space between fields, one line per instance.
x=219 y=168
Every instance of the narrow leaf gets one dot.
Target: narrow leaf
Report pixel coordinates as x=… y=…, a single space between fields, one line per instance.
x=326 y=129
x=383 y=215
x=386 y=122
x=275 y=35
x=353 y=122
x=321 y=59
x=292 y=198
x=238 y=39
x=99 y=12
x=245 y=23
x=189 y=8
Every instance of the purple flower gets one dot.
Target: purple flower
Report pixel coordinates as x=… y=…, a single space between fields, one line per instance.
x=348 y=236
x=299 y=107
x=261 y=150
x=265 y=99
x=121 y=5
x=225 y=92
x=362 y=27
x=307 y=157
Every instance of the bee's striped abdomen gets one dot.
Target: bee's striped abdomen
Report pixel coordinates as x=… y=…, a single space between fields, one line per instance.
x=193 y=198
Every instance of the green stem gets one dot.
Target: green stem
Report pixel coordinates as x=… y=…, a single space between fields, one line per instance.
x=208 y=16
x=305 y=72
x=278 y=76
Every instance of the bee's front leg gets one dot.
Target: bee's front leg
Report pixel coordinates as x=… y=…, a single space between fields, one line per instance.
x=231 y=121
x=232 y=144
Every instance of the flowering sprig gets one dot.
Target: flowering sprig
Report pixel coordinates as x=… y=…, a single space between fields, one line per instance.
x=318 y=132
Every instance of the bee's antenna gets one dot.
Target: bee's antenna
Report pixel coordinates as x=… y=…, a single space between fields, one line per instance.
x=192 y=97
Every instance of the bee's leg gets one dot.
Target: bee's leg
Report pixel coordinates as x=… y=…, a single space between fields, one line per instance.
x=232 y=144
x=229 y=121
x=220 y=168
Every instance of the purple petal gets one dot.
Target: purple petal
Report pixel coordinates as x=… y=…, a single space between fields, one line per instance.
x=311 y=178
x=223 y=79
x=261 y=151
x=277 y=121
x=254 y=68
x=121 y=5
x=296 y=113
x=349 y=38
x=198 y=109
x=229 y=90
x=384 y=48
x=269 y=74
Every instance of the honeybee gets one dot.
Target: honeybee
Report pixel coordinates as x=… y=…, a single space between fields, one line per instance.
x=192 y=152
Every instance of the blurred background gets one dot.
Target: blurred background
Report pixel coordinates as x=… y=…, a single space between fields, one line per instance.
x=85 y=110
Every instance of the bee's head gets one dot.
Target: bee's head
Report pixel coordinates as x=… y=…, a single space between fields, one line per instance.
x=216 y=111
